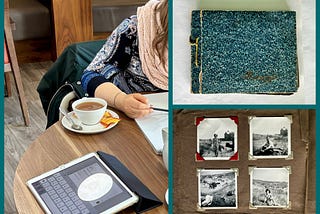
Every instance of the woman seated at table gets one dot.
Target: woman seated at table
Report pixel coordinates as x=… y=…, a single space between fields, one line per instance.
x=134 y=59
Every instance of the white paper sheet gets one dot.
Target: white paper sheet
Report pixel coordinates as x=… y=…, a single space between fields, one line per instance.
x=152 y=124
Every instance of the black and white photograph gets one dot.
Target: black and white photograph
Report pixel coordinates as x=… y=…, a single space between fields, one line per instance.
x=270 y=137
x=269 y=187
x=217 y=188
x=217 y=138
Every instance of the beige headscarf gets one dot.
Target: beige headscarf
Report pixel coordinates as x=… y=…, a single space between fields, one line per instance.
x=148 y=22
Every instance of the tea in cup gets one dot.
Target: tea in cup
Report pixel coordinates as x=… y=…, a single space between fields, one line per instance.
x=89 y=110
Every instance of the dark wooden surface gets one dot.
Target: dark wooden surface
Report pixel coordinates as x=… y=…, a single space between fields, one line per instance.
x=33 y=50
x=72 y=22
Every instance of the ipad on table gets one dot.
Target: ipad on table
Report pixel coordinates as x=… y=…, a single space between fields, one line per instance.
x=84 y=185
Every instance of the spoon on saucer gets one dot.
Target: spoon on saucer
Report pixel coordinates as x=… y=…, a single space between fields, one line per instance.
x=74 y=125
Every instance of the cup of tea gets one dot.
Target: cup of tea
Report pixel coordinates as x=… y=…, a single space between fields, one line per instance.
x=89 y=110
x=165 y=155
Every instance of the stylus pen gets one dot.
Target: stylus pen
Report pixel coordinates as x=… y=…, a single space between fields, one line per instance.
x=159 y=109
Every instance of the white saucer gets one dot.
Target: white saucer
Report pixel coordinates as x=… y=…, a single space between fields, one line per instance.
x=88 y=129
x=166 y=196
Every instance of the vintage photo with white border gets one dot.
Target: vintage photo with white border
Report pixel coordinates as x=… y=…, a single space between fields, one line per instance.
x=217 y=138
x=217 y=189
x=270 y=137
x=269 y=187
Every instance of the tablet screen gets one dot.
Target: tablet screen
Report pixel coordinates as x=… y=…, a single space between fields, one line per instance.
x=86 y=185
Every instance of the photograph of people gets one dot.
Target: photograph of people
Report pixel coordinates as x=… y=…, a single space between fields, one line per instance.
x=123 y=63
x=270 y=137
x=217 y=138
x=269 y=187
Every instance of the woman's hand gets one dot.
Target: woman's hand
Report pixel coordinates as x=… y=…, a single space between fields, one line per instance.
x=133 y=105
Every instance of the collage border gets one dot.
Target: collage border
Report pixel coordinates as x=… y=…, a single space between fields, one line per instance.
x=172 y=107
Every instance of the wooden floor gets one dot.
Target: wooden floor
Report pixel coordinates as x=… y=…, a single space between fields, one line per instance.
x=17 y=136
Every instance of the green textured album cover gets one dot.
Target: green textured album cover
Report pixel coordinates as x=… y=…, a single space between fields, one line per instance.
x=243 y=52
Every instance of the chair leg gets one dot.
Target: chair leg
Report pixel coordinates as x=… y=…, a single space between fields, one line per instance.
x=15 y=66
x=22 y=99
x=7 y=84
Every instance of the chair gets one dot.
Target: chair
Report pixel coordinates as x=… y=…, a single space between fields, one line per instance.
x=68 y=68
x=7 y=68
x=12 y=65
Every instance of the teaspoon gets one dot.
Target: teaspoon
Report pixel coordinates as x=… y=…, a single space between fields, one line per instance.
x=74 y=125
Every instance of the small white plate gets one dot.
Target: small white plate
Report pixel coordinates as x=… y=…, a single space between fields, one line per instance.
x=85 y=128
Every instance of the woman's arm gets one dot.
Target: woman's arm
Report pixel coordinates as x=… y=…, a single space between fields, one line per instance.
x=133 y=105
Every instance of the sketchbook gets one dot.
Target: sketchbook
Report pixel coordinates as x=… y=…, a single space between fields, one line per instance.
x=252 y=52
x=152 y=124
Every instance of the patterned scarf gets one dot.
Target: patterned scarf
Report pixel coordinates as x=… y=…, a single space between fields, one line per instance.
x=148 y=22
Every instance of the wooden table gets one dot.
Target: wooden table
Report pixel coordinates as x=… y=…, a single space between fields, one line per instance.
x=58 y=145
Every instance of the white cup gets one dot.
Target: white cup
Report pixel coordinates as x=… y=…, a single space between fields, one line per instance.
x=165 y=156
x=86 y=114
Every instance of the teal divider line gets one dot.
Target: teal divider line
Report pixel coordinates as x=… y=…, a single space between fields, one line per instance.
x=170 y=120
x=2 y=110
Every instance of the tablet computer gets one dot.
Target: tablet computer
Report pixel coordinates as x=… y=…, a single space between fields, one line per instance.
x=84 y=185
